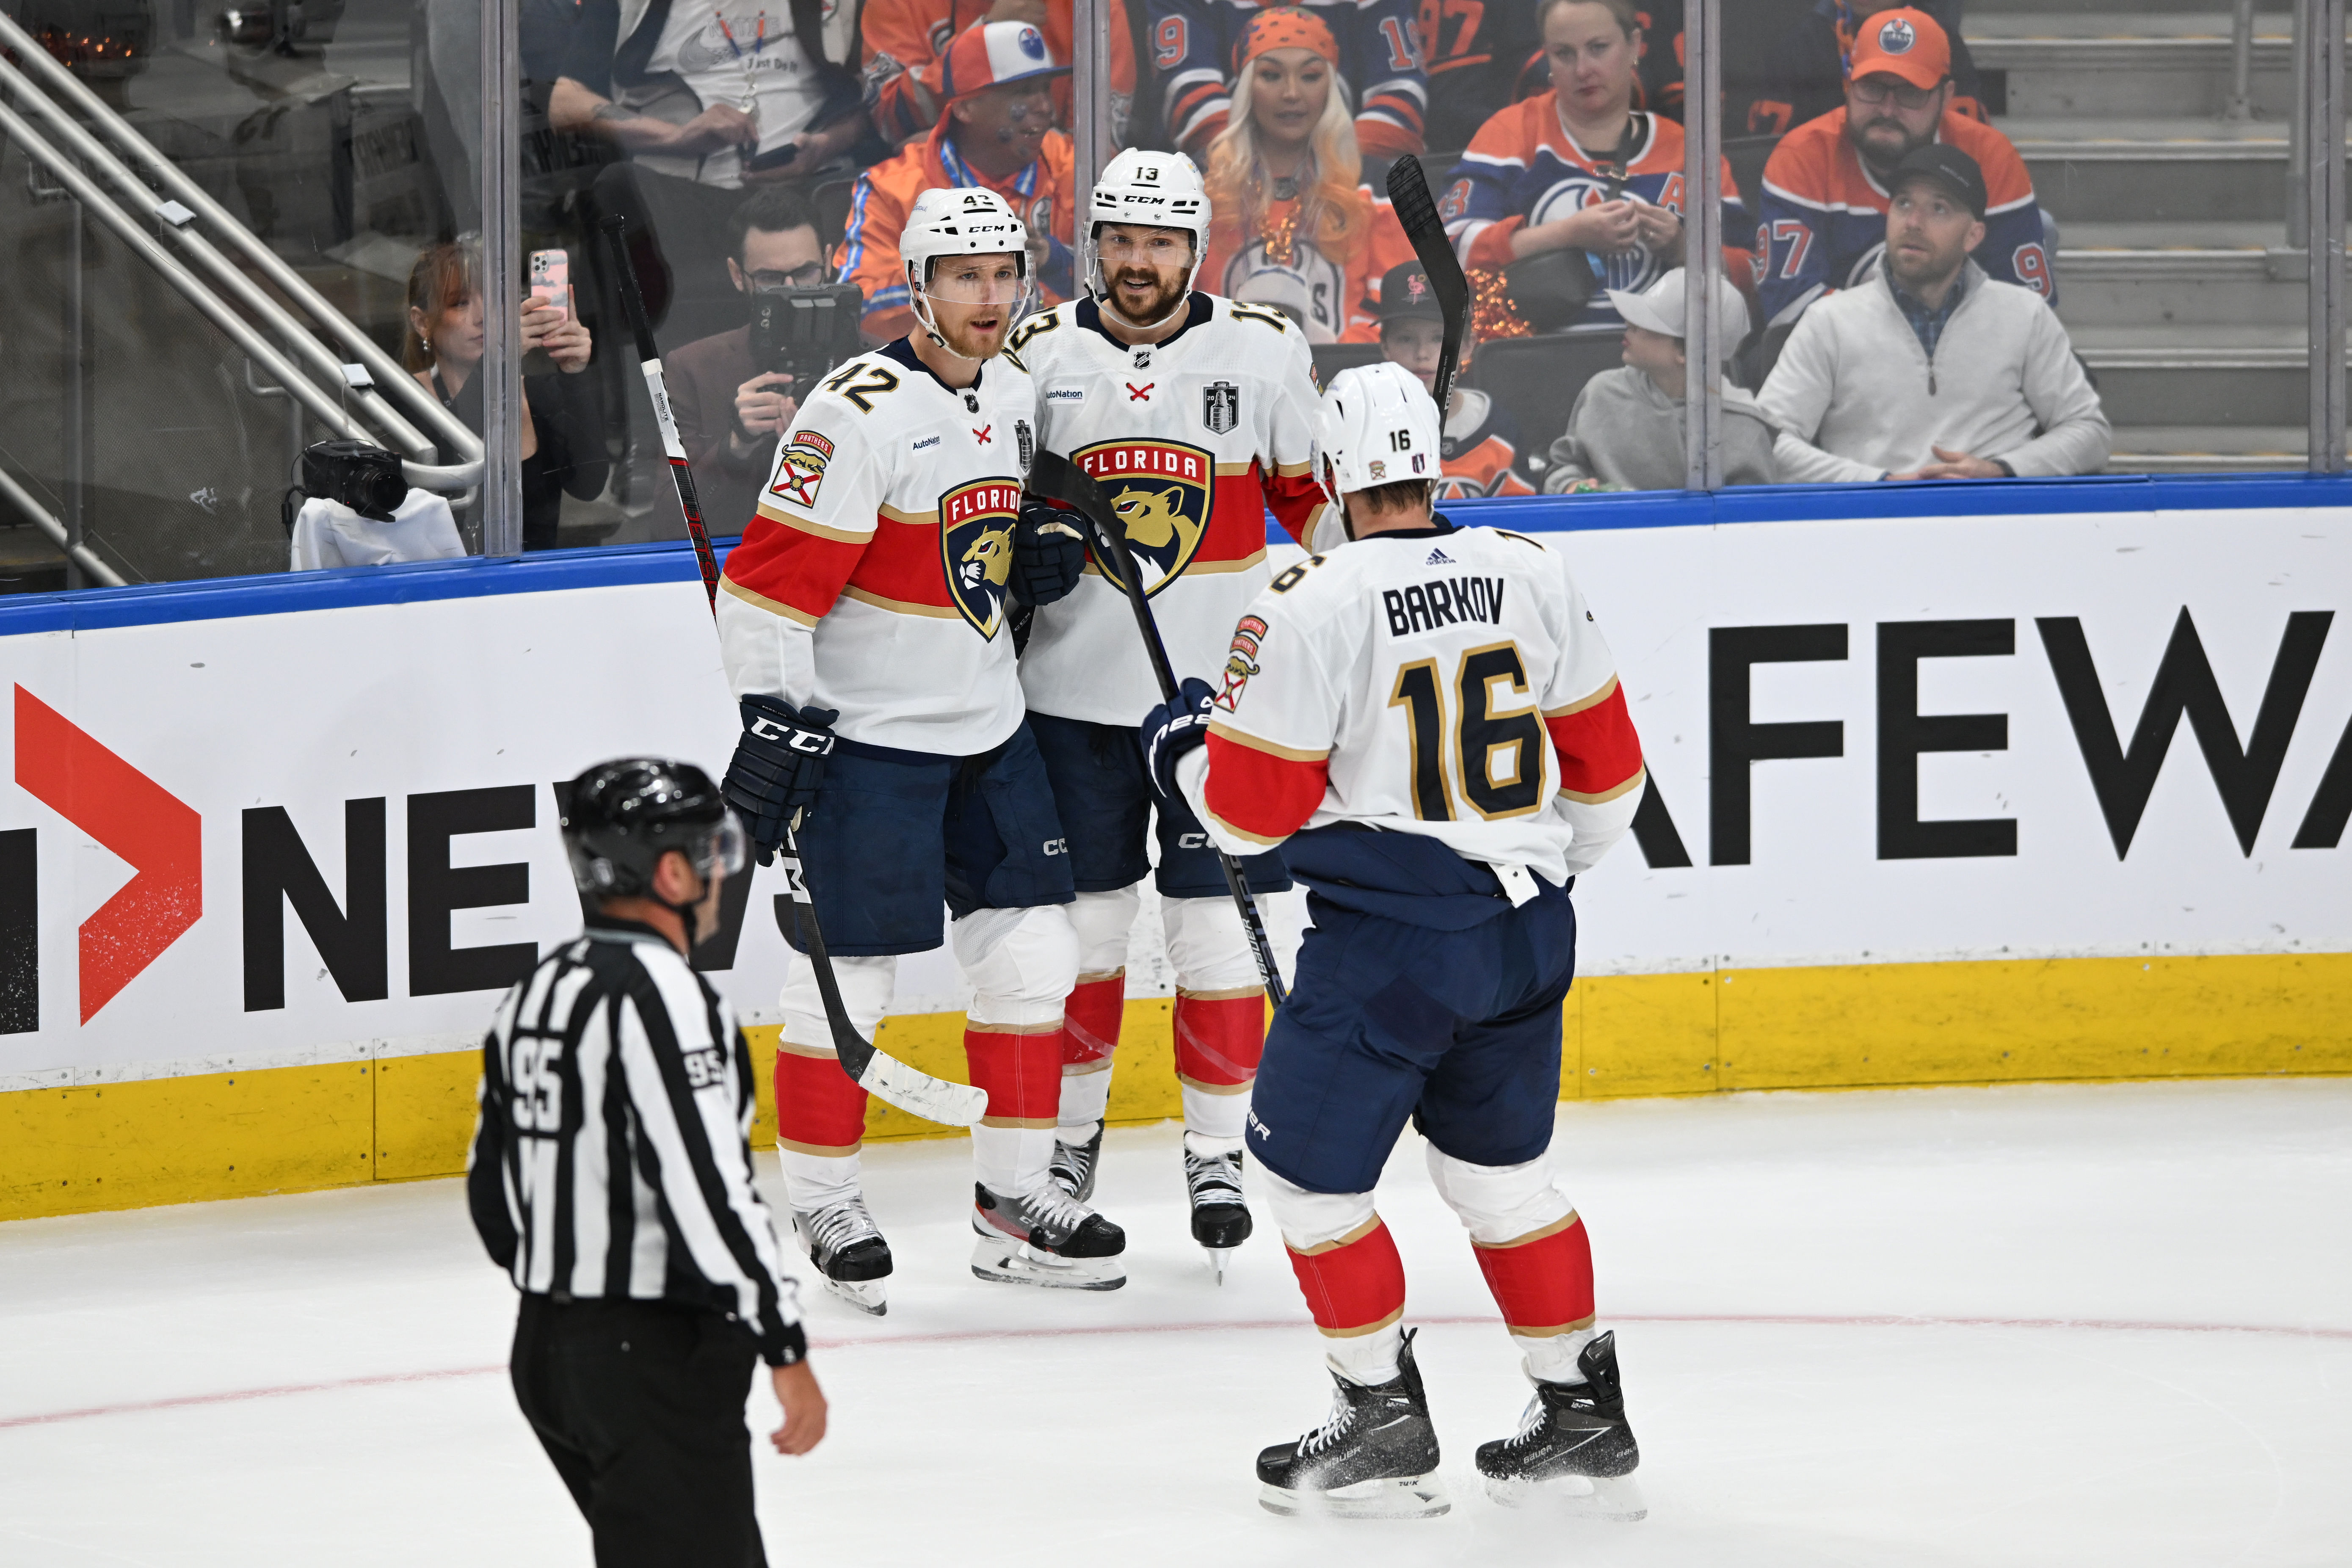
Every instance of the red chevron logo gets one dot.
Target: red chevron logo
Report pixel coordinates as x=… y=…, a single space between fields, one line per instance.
x=158 y=833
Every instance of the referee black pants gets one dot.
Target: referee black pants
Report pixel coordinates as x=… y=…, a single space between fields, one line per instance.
x=640 y=1405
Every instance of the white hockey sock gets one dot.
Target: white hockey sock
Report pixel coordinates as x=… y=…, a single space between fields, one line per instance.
x=1222 y=1117
x=1553 y=1360
x=1085 y=1097
x=1012 y=1160
x=1367 y=1359
x=813 y=1181
x=1208 y=1148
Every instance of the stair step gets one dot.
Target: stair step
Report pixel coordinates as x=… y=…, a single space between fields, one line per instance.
x=2189 y=449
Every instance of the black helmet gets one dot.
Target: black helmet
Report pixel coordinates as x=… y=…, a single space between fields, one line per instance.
x=623 y=815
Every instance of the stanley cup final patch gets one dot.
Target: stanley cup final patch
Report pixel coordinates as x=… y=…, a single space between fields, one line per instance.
x=1026 y=439
x=1221 y=407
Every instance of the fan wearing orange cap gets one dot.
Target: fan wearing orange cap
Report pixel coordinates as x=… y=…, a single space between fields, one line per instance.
x=1826 y=187
x=906 y=45
x=1201 y=47
x=997 y=133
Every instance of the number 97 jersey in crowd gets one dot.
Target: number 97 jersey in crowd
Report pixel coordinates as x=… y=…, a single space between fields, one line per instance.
x=1444 y=682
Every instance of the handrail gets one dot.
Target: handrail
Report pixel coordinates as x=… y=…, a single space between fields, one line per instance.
x=22 y=499
x=2241 y=62
x=323 y=364
x=387 y=374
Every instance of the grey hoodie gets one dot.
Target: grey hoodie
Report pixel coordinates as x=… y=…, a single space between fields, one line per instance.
x=1627 y=431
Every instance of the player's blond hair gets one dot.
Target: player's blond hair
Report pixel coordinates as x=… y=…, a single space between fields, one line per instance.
x=1334 y=214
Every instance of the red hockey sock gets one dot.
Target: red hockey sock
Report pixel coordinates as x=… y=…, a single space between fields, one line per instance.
x=1220 y=1035
x=1090 y=1019
x=819 y=1110
x=1021 y=1072
x=1354 y=1285
x=1542 y=1281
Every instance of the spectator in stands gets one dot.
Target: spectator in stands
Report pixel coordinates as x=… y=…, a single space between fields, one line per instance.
x=997 y=83
x=1200 y=50
x=1629 y=430
x=906 y=44
x=1479 y=450
x=721 y=92
x=563 y=415
x=729 y=412
x=1931 y=369
x=1827 y=185
x=1579 y=170
x=1784 y=61
x=1292 y=226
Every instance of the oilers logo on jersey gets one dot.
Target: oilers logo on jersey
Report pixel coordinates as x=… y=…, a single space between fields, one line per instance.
x=1161 y=492
x=976 y=544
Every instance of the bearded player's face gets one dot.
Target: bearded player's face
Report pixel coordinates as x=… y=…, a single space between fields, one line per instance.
x=1887 y=117
x=972 y=299
x=1145 y=267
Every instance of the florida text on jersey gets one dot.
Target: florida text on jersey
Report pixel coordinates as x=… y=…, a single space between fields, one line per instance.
x=872 y=580
x=1195 y=438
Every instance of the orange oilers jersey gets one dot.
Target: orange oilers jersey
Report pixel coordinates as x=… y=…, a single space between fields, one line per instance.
x=872 y=580
x=1448 y=682
x=1825 y=214
x=1480 y=453
x=906 y=40
x=1197 y=437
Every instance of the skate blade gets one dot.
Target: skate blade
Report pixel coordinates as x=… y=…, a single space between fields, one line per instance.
x=869 y=1296
x=1217 y=1258
x=1396 y=1497
x=1614 y=1498
x=1009 y=1262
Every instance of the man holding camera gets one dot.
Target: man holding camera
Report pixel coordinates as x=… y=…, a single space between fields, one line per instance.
x=729 y=393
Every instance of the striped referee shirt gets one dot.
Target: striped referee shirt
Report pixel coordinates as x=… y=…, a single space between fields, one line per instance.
x=612 y=1155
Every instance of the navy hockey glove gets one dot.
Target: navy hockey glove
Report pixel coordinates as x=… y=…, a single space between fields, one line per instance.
x=1171 y=730
x=778 y=768
x=1049 y=554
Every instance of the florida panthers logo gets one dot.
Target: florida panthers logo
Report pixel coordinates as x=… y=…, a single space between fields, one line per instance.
x=976 y=547
x=1160 y=489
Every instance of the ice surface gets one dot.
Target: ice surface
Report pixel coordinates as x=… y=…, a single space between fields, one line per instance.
x=2015 y=1326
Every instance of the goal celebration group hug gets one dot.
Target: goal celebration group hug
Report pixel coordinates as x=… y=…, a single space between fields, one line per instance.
x=950 y=702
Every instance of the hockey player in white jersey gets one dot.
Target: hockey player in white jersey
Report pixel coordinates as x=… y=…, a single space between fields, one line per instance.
x=1429 y=725
x=863 y=624
x=1195 y=414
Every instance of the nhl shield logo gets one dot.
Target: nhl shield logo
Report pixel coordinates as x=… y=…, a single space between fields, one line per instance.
x=1221 y=406
x=1161 y=491
x=976 y=549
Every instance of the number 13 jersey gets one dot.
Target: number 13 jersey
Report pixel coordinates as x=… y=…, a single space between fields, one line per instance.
x=1448 y=682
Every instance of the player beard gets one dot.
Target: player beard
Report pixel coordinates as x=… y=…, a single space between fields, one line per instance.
x=1885 y=143
x=1145 y=310
x=982 y=337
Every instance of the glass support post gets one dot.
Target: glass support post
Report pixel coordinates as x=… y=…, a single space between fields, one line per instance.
x=502 y=410
x=1703 y=244
x=1090 y=125
x=2320 y=174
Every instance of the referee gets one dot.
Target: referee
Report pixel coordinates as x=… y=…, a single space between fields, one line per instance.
x=611 y=1177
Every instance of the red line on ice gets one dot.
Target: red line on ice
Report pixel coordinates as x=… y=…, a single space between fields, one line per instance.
x=1794 y=1320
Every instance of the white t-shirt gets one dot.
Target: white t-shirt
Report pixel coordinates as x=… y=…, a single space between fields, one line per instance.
x=742 y=53
x=328 y=534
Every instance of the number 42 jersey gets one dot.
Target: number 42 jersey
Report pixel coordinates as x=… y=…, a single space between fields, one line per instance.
x=1447 y=682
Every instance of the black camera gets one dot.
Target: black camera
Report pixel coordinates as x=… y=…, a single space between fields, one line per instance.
x=364 y=478
x=805 y=332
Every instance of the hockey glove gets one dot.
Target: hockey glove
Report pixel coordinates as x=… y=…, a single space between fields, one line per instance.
x=1049 y=554
x=1171 y=729
x=778 y=768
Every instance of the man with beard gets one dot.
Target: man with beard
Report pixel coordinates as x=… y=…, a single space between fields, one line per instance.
x=997 y=135
x=1195 y=414
x=863 y=632
x=1929 y=369
x=1827 y=186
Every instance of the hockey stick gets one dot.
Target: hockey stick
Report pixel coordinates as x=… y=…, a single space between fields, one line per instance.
x=933 y=1098
x=1055 y=478
x=1418 y=216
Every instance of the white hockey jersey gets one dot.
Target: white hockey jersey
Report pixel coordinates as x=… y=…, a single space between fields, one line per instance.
x=1197 y=437
x=872 y=580
x=1448 y=682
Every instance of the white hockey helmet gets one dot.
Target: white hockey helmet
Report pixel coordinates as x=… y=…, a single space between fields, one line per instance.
x=1161 y=190
x=1376 y=425
x=967 y=221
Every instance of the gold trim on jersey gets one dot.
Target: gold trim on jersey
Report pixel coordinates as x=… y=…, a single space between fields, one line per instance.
x=1554 y=1228
x=1229 y=471
x=1581 y=703
x=1231 y=994
x=794 y=1049
x=1240 y=832
x=761 y=601
x=1288 y=753
x=915 y=519
x=1206 y=1088
x=1336 y=1243
x=1606 y=795
x=1198 y=568
x=1293 y=470
x=793 y=521
x=1360 y=1333
x=901 y=607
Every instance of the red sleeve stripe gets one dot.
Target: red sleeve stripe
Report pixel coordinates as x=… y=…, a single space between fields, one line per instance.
x=903 y=565
x=1260 y=796
x=783 y=519
x=788 y=568
x=1600 y=754
x=1297 y=502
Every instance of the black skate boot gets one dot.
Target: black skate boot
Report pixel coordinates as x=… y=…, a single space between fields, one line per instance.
x=1573 y=1447
x=1376 y=1457
x=1220 y=1223
x=850 y=1255
x=1072 y=1169
x=1046 y=1239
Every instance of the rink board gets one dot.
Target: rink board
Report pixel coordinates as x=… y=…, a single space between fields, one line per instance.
x=369 y=754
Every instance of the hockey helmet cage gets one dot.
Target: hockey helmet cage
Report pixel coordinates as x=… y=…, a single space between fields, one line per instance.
x=1161 y=190
x=623 y=815
x=1376 y=425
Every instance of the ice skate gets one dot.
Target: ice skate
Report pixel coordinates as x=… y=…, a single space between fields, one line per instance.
x=1046 y=1239
x=1220 y=1222
x=1073 y=1165
x=1376 y=1457
x=850 y=1255
x=1573 y=1449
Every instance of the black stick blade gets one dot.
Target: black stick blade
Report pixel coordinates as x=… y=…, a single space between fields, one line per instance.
x=1417 y=215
